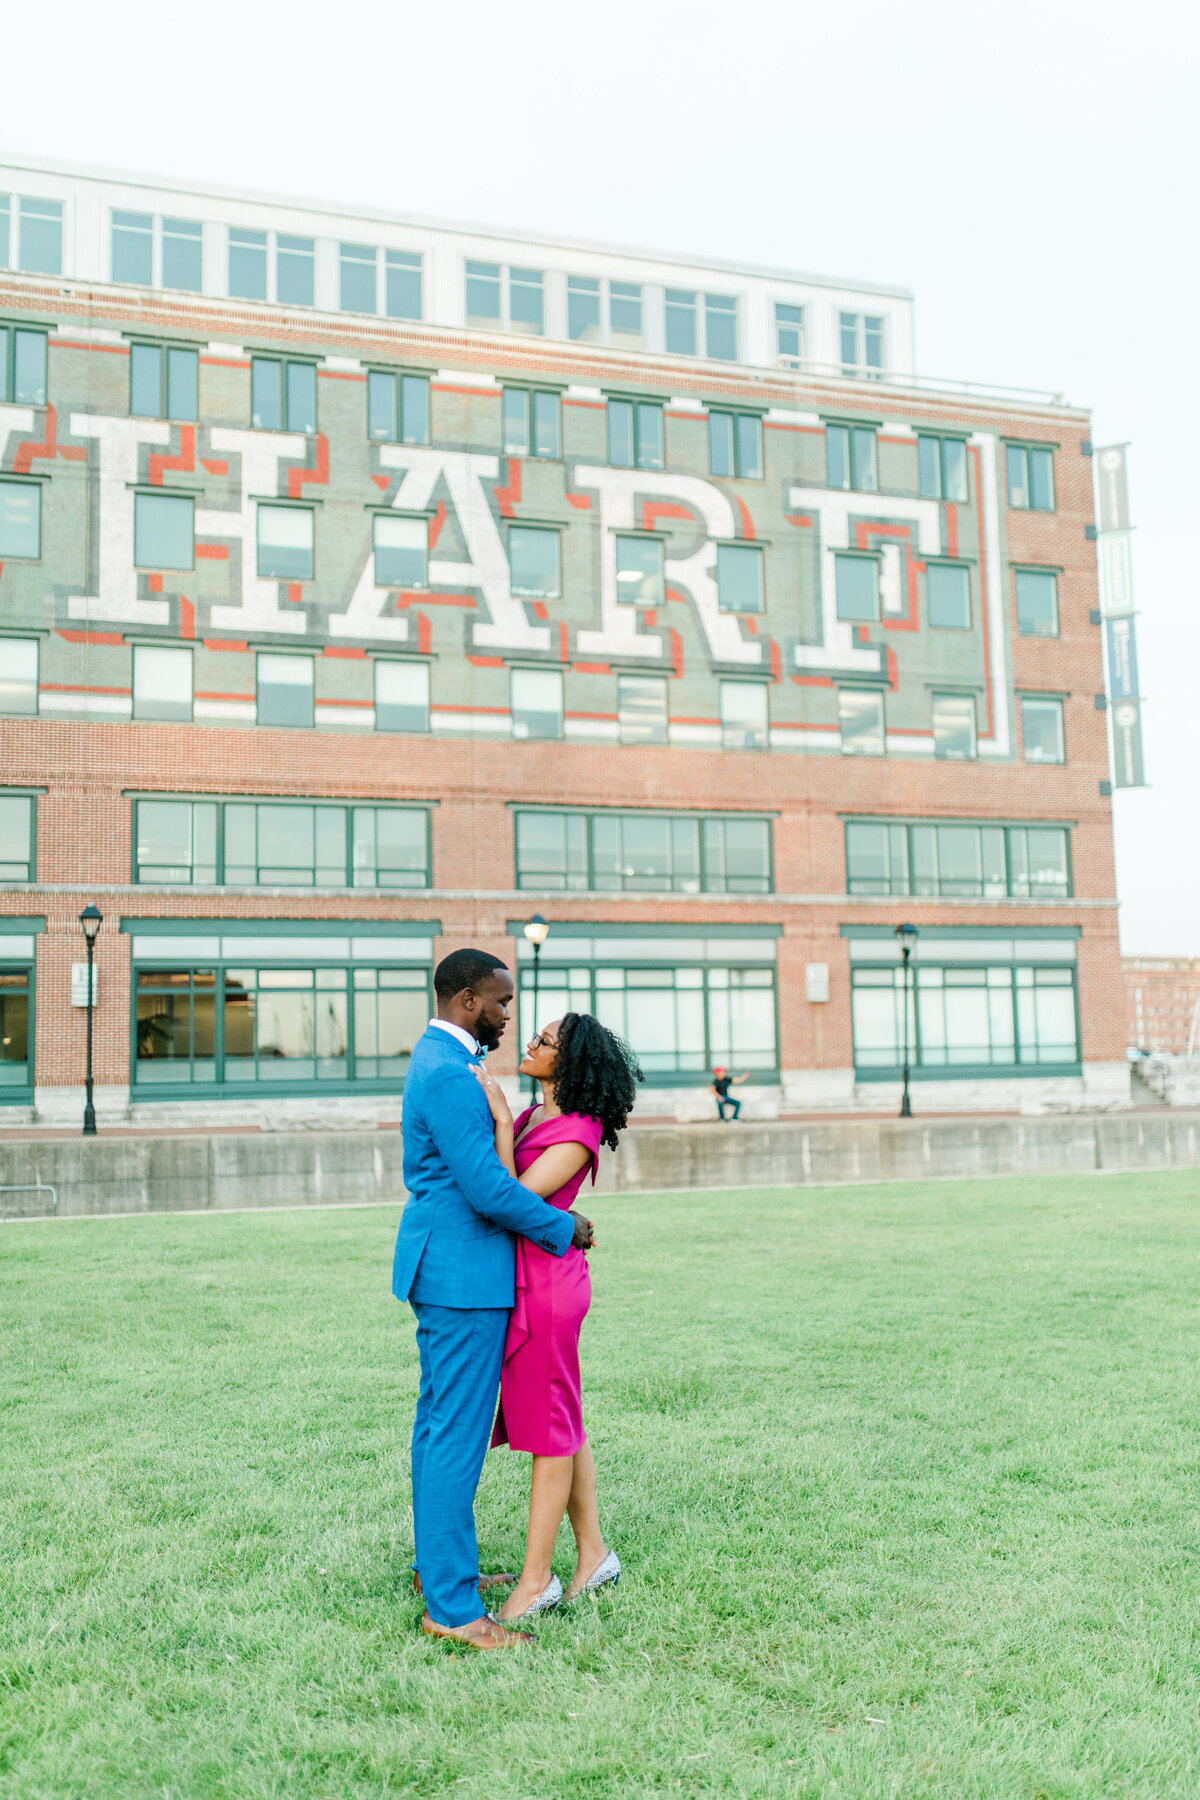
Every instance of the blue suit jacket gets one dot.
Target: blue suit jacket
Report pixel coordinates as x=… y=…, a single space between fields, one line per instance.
x=455 y=1245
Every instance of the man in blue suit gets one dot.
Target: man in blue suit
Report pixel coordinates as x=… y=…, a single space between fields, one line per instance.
x=455 y=1265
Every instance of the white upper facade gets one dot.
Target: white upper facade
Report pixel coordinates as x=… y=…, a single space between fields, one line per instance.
x=103 y=227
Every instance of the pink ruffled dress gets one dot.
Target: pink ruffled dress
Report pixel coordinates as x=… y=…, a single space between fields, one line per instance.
x=541 y=1405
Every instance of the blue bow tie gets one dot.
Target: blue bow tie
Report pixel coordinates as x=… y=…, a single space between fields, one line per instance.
x=480 y=1054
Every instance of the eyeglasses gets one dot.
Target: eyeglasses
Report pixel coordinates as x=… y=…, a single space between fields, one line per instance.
x=541 y=1041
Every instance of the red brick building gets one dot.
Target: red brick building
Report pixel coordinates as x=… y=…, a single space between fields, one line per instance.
x=368 y=585
x=1162 y=1004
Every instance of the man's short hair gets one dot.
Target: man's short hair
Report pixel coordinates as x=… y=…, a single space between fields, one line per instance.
x=464 y=969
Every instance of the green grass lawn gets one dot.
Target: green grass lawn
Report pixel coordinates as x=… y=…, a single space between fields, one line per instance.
x=904 y=1480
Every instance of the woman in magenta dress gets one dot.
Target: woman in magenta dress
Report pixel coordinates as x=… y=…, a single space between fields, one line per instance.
x=587 y=1078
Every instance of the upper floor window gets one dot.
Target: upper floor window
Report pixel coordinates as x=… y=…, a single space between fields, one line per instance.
x=164 y=382
x=640 y=571
x=19 y=677
x=22 y=365
x=401 y=696
x=359 y=269
x=247 y=264
x=861 y=722
x=592 y=302
x=401 y=551
x=1037 y=602
x=284 y=686
x=1030 y=477
x=162 y=682
x=17 y=858
x=635 y=434
x=1042 y=734
x=535 y=562
x=397 y=407
x=31 y=234
x=789 y=334
x=740 y=578
x=277 y=844
x=954 y=726
x=285 y=544
x=532 y=423
x=735 y=445
x=295 y=270
x=141 y=242
x=636 y=852
x=860 y=337
x=691 y=315
x=948 y=596
x=642 y=709
x=744 y=724
x=510 y=299
x=856 y=586
x=283 y=395
x=20 y=526
x=537 y=703
x=850 y=457
x=942 y=468
x=958 y=861
x=164 y=531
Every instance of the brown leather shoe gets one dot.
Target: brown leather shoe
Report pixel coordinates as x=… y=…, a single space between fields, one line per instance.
x=485 y=1581
x=481 y=1634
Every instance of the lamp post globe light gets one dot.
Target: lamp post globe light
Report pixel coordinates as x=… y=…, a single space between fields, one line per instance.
x=537 y=930
x=906 y=937
x=91 y=919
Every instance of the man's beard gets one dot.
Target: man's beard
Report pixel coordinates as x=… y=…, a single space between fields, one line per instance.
x=489 y=1035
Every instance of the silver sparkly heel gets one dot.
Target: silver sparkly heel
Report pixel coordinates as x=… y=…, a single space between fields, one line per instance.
x=607 y=1575
x=546 y=1601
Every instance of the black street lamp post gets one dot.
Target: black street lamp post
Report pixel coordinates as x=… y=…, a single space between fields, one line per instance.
x=906 y=937
x=91 y=919
x=537 y=930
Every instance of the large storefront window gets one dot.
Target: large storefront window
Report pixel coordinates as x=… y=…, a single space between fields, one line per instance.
x=17 y=943
x=684 y=1005
x=258 y=1018
x=973 y=1005
x=638 y=852
x=280 y=844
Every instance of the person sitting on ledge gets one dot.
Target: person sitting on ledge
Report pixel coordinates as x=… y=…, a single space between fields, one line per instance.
x=722 y=1081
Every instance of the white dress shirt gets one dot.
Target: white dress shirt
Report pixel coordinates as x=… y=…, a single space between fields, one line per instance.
x=456 y=1031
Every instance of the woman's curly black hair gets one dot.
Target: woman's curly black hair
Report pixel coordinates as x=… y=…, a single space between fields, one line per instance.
x=595 y=1073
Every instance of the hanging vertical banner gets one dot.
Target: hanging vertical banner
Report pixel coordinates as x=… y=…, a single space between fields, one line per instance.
x=1122 y=659
x=1116 y=573
x=1113 y=488
x=1128 y=767
x=1116 y=601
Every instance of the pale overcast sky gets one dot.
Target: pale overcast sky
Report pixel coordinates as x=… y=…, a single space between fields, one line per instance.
x=1030 y=170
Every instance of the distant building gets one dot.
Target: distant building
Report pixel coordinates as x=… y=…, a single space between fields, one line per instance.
x=1162 y=1003
x=368 y=584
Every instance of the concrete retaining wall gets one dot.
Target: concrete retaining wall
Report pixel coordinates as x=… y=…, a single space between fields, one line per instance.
x=124 y=1175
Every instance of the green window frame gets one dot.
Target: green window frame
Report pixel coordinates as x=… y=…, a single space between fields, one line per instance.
x=958 y=859
x=164 y=381
x=948 y=595
x=535 y=561
x=635 y=434
x=1037 y=602
x=942 y=468
x=1030 y=477
x=22 y=364
x=1043 y=730
x=643 y=852
x=262 y=843
x=789 y=334
x=532 y=419
x=265 y=1026
x=18 y=839
x=851 y=458
x=17 y=1027
x=682 y=1013
x=856 y=586
x=164 y=530
x=20 y=520
x=735 y=445
x=740 y=578
x=965 y=1017
x=397 y=407
x=283 y=395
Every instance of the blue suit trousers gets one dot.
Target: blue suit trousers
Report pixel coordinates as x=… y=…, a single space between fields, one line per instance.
x=461 y=1352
